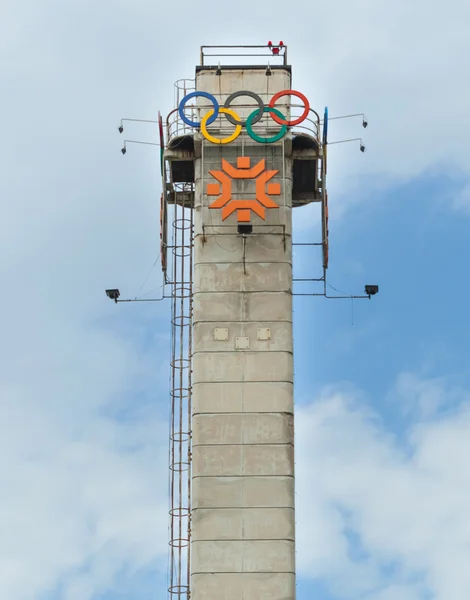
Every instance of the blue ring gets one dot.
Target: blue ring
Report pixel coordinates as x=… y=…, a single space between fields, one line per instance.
x=325 y=126
x=210 y=97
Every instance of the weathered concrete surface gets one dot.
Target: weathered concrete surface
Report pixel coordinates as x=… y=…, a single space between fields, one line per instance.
x=242 y=556
x=256 y=307
x=242 y=366
x=243 y=524
x=245 y=459
x=246 y=397
x=248 y=524
x=280 y=336
x=249 y=586
x=229 y=277
x=243 y=428
x=264 y=247
x=242 y=492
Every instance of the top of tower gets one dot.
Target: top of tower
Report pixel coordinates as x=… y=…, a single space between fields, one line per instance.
x=274 y=55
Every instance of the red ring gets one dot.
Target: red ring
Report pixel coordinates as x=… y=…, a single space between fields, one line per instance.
x=304 y=115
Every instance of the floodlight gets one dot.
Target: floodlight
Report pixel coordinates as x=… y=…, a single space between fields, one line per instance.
x=245 y=229
x=371 y=290
x=120 y=128
x=113 y=294
x=363 y=148
x=124 y=150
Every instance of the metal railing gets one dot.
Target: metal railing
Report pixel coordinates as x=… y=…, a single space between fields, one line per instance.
x=176 y=127
x=242 y=51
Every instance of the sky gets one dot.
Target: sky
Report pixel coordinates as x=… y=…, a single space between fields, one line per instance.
x=382 y=386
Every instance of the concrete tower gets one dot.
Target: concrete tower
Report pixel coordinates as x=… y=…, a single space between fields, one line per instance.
x=241 y=169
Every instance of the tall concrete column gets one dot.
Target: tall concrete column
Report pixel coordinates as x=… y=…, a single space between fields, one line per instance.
x=243 y=525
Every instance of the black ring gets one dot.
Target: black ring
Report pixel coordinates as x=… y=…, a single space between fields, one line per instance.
x=260 y=102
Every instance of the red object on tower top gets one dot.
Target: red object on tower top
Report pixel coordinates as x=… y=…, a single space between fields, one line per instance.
x=275 y=49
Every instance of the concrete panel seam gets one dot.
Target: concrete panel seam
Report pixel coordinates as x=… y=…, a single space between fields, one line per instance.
x=276 y=572
x=246 y=322
x=237 y=292
x=244 y=380
x=250 y=351
x=242 y=508
x=240 y=262
x=245 y=412
x=286 y=292
x=282 y=539
x=258 y=476
x=245 y=444
x=235 y=234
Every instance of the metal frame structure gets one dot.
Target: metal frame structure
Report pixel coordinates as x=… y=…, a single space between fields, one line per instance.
x=254 y=51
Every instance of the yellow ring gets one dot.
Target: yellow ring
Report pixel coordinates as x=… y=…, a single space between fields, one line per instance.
x=215 y=140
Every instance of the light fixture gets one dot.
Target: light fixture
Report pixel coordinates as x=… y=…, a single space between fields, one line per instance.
x=123 y=150
x=371 y=290
x=219 y=70
x=364 y=122
x=113 y=294
x=363 y=148
x=244 y=229
x=120 y=128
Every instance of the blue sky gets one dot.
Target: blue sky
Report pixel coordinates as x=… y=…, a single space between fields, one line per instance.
x=383 y=402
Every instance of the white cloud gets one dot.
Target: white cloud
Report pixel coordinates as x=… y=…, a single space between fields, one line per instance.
x=79 y=485
x=461 y=202
x=408 y=510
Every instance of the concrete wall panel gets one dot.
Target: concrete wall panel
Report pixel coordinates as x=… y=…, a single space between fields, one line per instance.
x=242 y=365
x=231 y=492
x=246 y=397
x=217 y=460
x=277 y=220
x=236 y=306
x=259 y=277
x=234 y=80
x=280 y=334
x=246 y=586
x=245 y=524
x=243 y=428
x=242 y=556
x=229 y=248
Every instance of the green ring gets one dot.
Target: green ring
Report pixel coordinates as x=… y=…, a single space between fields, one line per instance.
x=263 y=140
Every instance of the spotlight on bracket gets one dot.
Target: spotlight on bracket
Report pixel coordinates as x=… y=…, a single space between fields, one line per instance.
x=219 y=70
x=123 y=150
x=365 y=122
x=371 y=290
x=268 y=70
x=113 y=294
x=362 y=148
x=120 y=128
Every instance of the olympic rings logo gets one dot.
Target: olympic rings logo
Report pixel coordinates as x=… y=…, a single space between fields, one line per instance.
x=252 y=119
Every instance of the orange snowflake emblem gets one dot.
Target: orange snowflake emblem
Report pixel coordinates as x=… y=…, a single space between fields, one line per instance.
x=223 y=189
